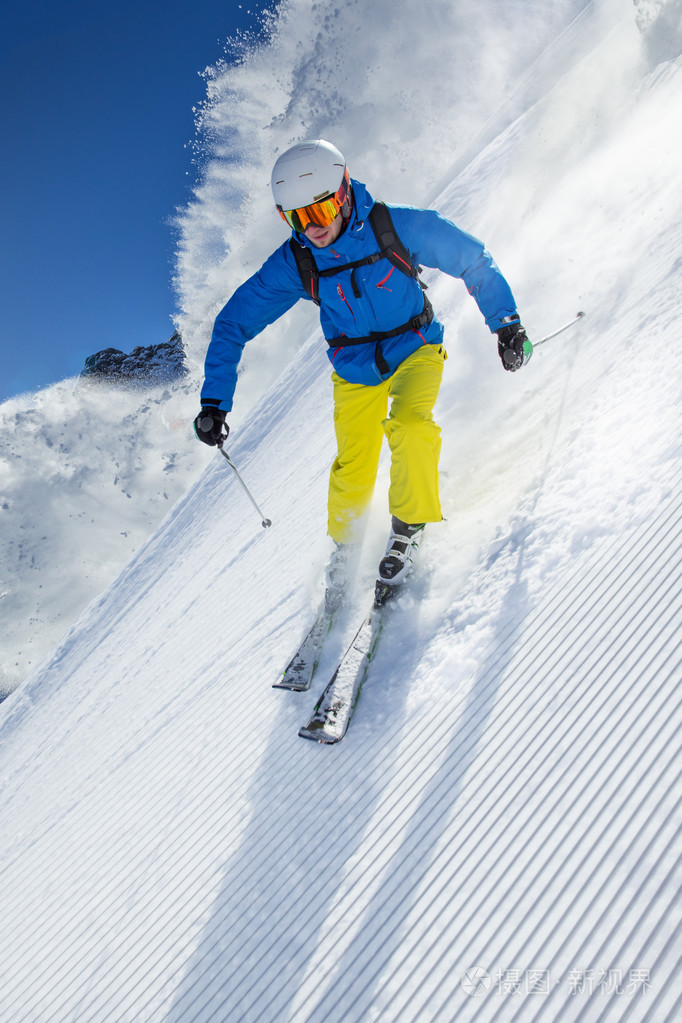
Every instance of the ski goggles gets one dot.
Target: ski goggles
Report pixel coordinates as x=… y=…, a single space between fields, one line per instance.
x=322 y=212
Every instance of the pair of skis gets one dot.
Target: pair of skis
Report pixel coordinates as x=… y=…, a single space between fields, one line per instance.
x=333 y=711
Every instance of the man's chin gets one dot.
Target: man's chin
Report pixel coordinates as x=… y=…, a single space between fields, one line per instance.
x=319 y=241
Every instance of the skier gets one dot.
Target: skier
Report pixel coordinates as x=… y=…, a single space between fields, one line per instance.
x=359 y=261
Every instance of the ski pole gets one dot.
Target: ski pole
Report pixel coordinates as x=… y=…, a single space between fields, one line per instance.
x=264 y=522
x=554 y=333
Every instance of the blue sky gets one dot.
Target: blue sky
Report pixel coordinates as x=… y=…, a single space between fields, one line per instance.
x=95 y=126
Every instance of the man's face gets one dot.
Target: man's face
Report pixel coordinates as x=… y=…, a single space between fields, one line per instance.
x=321 y=237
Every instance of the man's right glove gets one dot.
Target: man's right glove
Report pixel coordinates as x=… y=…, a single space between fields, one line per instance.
x=209 y=425
x=513 y=345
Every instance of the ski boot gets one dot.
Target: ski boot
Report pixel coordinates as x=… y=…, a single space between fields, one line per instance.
x=395 y=566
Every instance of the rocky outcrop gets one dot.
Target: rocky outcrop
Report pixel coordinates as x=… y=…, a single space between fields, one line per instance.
x=145 y=365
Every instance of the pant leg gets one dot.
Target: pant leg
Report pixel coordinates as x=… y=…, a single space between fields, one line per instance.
x=359 y=411
x=414 y=438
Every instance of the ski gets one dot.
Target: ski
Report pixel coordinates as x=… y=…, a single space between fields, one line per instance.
x=333 y=711
x=299 y=672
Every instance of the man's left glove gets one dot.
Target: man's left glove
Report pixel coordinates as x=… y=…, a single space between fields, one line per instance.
x=513 y=345
x=210 y=424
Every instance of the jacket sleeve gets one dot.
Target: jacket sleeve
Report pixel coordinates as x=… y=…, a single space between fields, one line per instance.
x=436 y=242
x=256 y=303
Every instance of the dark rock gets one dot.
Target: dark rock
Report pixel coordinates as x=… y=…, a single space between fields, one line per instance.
x=148 y=365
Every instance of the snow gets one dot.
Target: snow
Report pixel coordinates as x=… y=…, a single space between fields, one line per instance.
x=507 y=796
x=87 y=474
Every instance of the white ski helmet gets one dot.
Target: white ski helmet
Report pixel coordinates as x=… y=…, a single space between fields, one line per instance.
x=309 y=173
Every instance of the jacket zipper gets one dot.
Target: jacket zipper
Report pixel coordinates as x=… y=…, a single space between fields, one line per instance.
x=344 y=299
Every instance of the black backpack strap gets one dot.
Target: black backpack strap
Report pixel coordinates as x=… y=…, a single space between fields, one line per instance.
x=422 y=319
x=389 y=243
x=307 y=269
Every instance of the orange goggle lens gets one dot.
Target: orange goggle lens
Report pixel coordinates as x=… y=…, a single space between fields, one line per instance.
x=321 y=213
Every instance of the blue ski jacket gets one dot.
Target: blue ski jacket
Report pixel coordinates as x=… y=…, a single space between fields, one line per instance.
x=387 y=299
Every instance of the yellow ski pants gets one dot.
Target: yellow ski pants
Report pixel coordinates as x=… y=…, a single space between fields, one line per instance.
x=361 y=419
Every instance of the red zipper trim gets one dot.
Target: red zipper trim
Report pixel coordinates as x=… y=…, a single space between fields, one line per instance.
x=403 y=261
x=344 y=299
x=381 y=283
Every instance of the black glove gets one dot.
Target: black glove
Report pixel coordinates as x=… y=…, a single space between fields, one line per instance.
x=513 y=345
x=209 y=425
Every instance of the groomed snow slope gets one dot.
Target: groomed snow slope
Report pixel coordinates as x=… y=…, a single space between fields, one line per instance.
x=497 y=837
